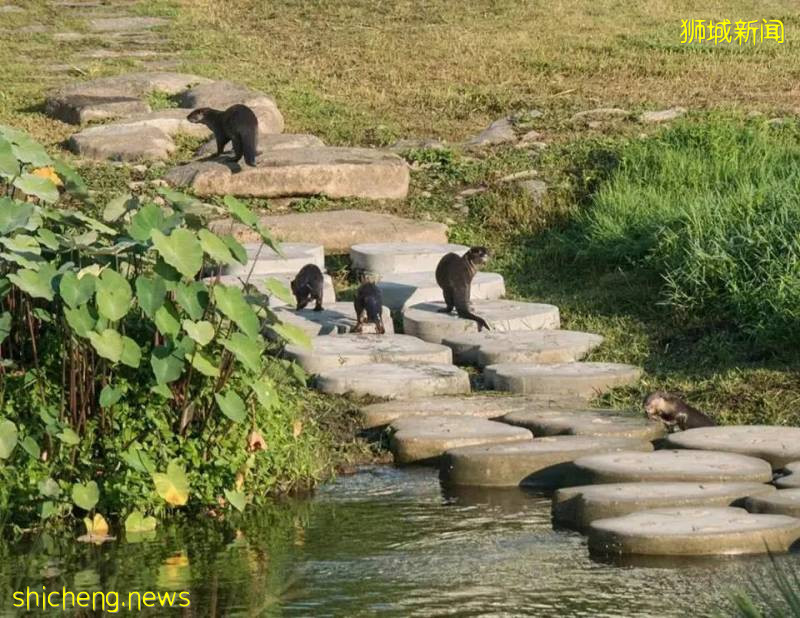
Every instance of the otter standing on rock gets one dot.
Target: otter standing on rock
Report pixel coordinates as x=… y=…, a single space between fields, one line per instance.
x=673 y=411
x=308 y=285
x=454 y=275
x=369 y=301
x=237 y=124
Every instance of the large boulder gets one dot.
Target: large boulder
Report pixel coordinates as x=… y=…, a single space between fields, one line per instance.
x=223 y=94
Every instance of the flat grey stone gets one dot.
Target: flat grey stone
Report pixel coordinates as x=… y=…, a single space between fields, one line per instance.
x=425 y=321
x=601 y=113
x=125 y=24
x=382 y=258
x=670 y=466
x=338 y=230
x=266 y=142
x=401 y=290
x=33 y=29
x=580 y=421
x=499 y=132
x=335 y=319
x=535 y=189
x=330 y=171
x=782 y=502
x=426 y=438
x=122 y=143
x=356 y=349
x=580 y=379
x=577 y=507
x=792 y=478
x=222 y=94
x=103 y=54
x=259 y=282
x=406 y=381
x=295 y=256
x=535 y=346
x=693 y=531
x=664 y=115
x=404 y=145
x=776 y=444
x=543 y=463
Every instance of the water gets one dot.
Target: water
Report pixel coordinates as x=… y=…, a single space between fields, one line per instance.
x=385 y=541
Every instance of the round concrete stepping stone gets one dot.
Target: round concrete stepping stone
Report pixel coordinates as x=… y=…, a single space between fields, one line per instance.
x=223 y=94
x=544 y=463
x=781 y=502
x=354 y=349
x=335 y=319
x=671 y=466
x=382 y=258
x=577 y=507
x=425 y=321
x=778 y=445
x=481 y=406
x=426 y=438
x=259 y=281
x=401 y=290
x=792 y=478
x=536 y=346
x=693 y=531
x=295 y=256
x=582 y=379
x=585 y=422
x=406 y=381
x=335 y=172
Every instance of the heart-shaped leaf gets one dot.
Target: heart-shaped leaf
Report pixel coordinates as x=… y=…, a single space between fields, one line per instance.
x=131 y=353
x=22 y=243
x=76 y=291
x=238 y=252
x=9 y=166
x=48 y=239
x=69 y=437
x=25 y=148
x=236 y=498
x=201 y=332
x=293 y=334
x=193 y=297
x=136 y=522
x=203 y=364
x=232 y=406
x=240 y=211
x=85 y=495
x=49 y=488
x=179 y=200
x=13 y=214
x=215 y=247
x=96 y=530
x=173 y=486
x=109 y=396
x=247 y=350
x=181 y=250
x=107 y=344
x=37 y=283
x=113 y=294
x=167 y=363
x=29 y=446
x=138 y=459
x=72 y=181
x=266 y=393
x=277 y=288
x=232 y=304
x=167 y=320
x=150 y=294
x=80 y=320
x=118 y=206
x=8 y=438
x=146 y=220
x=5 y=326
x=36 y=186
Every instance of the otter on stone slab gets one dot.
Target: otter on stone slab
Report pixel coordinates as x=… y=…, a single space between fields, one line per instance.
x=674 y=412
x=237 y=124
x=454 y=274
x=308 y=285
x=369 y=307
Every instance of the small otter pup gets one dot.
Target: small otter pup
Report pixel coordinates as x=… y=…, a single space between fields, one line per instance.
x=454 y=275
x=237 y=124
x=369 y=307
x=307 y=285
x=673 y=411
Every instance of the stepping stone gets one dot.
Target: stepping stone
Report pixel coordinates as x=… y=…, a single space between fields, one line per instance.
x=126 y=24
x=102 y=54
x=223 y=94
x=355 y=349
x=792 y=478
x=401 y=290
x=426 y=322
x=693 y=531
x=582 y=379
x=295 y=256
x=335 y=319
x=537 y=346
x=601 y=113
x=383 y=258
x=11 y=8
x=259 y=281
x=269 y=141
x=481 y=406
x=427 y=438
x=543 y=463
x=781 y=502
x=338 y=230
x=499 y=132
x=664 y=115
x=577 y=507
x=778 y=445
x=330 y=171
x=406 y=381
x=670 y=466
x=585 y=422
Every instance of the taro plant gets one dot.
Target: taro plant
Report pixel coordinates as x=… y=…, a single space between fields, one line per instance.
x=127 y=364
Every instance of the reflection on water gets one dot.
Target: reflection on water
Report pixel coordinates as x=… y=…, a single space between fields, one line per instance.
x=383 y=541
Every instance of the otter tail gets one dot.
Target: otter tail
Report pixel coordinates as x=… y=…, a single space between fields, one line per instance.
x=468 y=315
x=250 y=147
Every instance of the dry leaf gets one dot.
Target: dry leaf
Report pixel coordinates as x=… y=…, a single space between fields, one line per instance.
x=297 y=428
x=256 y=442
x=239 y=481
x=50 y=174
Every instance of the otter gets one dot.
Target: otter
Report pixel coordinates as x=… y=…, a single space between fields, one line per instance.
x=454 y=274
x=308 y=285
x=673 y=411
x=237 y=124
x=369 y=301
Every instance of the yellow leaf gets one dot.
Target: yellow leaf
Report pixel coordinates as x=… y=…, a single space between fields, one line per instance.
x=96 y=530
x=172 y=486
x=297 y=428
x=50 y=174
x=256 y=442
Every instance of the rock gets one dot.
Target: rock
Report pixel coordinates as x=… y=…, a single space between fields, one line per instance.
x=536 y=346
x=662 y=116
x=407 y=381
x=601 y=113
x=295 y=256
x=329 y=171
x=792 y=478
x=339 y=230
x=267 y=142
x=582 y=421
x=259 y=282
x=335 y=319
x=535 y=189
x=693 y=531
x=516 y=176
x=223 y=94
x=543 y=463
x=11 y=8
x=499 y=132
x=671 y=466
x=354 y=349
x=582 y=379
x=122 y=143
x=404 y=145
x=170 y=121
x=470 y=192
x=782 y=502
x=80 y=109
x=481 y=406
x=577 y=507
x=777 y=445
x=125 y=24
x=423 y=439
x=102 y=54
x=425 y=321
x=32 y=29
x=382 y=258
x=401 y=290
x=531 y=137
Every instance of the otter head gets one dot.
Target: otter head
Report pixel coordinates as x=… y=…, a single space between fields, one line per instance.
x=656 y=404
x=477 y=255
x=199 y=116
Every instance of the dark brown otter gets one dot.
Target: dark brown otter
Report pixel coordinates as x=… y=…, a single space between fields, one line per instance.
x=308 y=286
x=369 y=307
x=454 y=274
x=237 y=124
x=674 y=412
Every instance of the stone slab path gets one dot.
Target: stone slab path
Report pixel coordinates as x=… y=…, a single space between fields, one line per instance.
x=337 y=318
x=383 y=258
x=265 y=261
x=582 y=379
x=407 y=381
x=792 y=478
x=579 y=421
x=781 y=502
x=402 y=290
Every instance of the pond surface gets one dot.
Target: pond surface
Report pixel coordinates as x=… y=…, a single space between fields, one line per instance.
x=384 y=541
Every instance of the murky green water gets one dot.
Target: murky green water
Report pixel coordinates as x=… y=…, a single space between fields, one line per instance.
x=385 y=541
